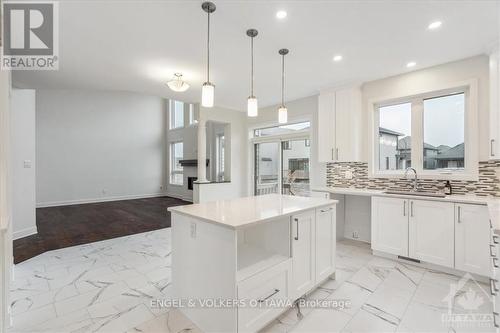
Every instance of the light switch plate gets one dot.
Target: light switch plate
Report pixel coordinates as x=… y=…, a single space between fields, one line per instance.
x=27 y=164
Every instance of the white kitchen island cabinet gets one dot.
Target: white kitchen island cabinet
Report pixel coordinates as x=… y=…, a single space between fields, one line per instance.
x=238 y=264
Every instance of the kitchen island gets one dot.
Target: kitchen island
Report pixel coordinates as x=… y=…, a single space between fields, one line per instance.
x=233 y=260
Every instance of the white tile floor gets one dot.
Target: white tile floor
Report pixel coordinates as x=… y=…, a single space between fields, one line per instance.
x=108 y=287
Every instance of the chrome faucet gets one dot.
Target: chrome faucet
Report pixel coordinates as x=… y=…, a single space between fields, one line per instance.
x=415 y=185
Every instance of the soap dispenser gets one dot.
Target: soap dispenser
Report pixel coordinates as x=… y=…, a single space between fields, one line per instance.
x=447 y=188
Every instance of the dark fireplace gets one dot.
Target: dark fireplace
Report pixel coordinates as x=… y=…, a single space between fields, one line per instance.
x=190 y=182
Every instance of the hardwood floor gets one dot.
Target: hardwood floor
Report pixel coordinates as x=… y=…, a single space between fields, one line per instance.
x=64 y=226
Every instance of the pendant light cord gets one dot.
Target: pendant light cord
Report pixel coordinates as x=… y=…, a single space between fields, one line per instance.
x=208 y=48
x=252 y=77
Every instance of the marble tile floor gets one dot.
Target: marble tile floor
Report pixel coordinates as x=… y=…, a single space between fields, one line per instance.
x=108 y=286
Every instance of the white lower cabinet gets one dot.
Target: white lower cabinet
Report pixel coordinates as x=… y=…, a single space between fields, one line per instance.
x=431 y=235
x=325 y=243
x=389 y=224
x=303 y=253
x=447 y=234
x=313 y=249
x=269 y=285
x=472 y=239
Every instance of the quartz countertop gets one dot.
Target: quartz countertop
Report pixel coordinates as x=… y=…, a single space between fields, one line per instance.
x=492 y=202
x=242 y=212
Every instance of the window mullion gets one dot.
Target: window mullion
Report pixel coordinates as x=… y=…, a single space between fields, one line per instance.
x=417 y=134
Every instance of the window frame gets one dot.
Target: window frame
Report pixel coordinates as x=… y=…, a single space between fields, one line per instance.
x=416 y=98
x=171 y=163
x=171 y=114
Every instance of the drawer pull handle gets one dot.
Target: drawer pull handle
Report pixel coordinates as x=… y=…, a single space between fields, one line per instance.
x=492 y=250
x=492 y=150
x=297 y=235
x=459 y=218
x=495 y=314
x=493 y=287
x=271 y=295
x=495 y=239
x=411 y=209
x=404 y=208
x=326 y=210
x=495 y=262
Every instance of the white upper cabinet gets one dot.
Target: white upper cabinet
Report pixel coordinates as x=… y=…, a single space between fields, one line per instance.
x=340 y=125
x=494 y=144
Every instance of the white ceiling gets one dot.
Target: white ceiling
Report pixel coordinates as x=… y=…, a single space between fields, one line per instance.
x=138 y=45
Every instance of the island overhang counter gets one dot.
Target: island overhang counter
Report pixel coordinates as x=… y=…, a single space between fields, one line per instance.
x=234 y=260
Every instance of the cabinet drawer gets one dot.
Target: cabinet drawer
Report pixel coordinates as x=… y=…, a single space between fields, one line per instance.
x=269 y=285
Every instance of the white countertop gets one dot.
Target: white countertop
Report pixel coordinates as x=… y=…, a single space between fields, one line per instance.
x=242 y=212
x=492 y=203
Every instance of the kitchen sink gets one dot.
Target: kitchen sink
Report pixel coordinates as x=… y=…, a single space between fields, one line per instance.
x=418 y=193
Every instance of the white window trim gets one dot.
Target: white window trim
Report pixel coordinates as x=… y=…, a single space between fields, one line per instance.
x=170 y=164
x=470 y=171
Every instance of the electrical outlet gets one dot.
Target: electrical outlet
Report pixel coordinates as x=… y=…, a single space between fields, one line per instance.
x=193 y=230
x=161 y=187
x=355 y=235
x=104 y=191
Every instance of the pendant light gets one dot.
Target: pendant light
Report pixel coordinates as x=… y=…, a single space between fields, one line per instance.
x=208 y=89
x=177 y=83
x=282 y=110
x=252 y=105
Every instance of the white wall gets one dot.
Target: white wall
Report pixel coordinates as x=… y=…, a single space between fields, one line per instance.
x=434 y=78
x=298 y=110
x=98 y=146
x=236 y=138
x=6 y=258
x=22 y=127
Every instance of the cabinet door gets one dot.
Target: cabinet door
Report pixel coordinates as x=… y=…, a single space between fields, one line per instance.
x=326 y=127
x=431 y=237
x=472 y=239
x=325 y=242
x=390 y=225
x=302 y=253
x=348 y=123
x=494 y=147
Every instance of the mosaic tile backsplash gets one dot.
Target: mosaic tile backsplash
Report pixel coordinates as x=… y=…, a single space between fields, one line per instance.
x=487 y=185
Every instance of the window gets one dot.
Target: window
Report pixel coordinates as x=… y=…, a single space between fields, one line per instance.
x=429 y=132
x=220 y=157
x=287 y=145
x=285 y=129
x=192 y=116
x=176 y=170
x=394 y=133
x=444 y=132
x=176 y=111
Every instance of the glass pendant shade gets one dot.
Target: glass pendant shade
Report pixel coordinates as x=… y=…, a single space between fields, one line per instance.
x=207 y=95
x=282 y=115
x=252 y=107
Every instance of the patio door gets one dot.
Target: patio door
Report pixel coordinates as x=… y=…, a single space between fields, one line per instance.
x=282 y=166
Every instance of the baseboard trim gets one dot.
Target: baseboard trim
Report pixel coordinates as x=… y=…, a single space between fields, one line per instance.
x=97 y=200
x=24 y=233
x=177 y=196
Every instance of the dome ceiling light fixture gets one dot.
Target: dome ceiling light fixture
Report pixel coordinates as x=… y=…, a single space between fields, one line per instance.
x=177 y=84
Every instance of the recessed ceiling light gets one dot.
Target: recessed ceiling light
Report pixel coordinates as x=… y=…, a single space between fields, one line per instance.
x=337 y=58
x=411 y=64
x=434 y=25
x=281 y=14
